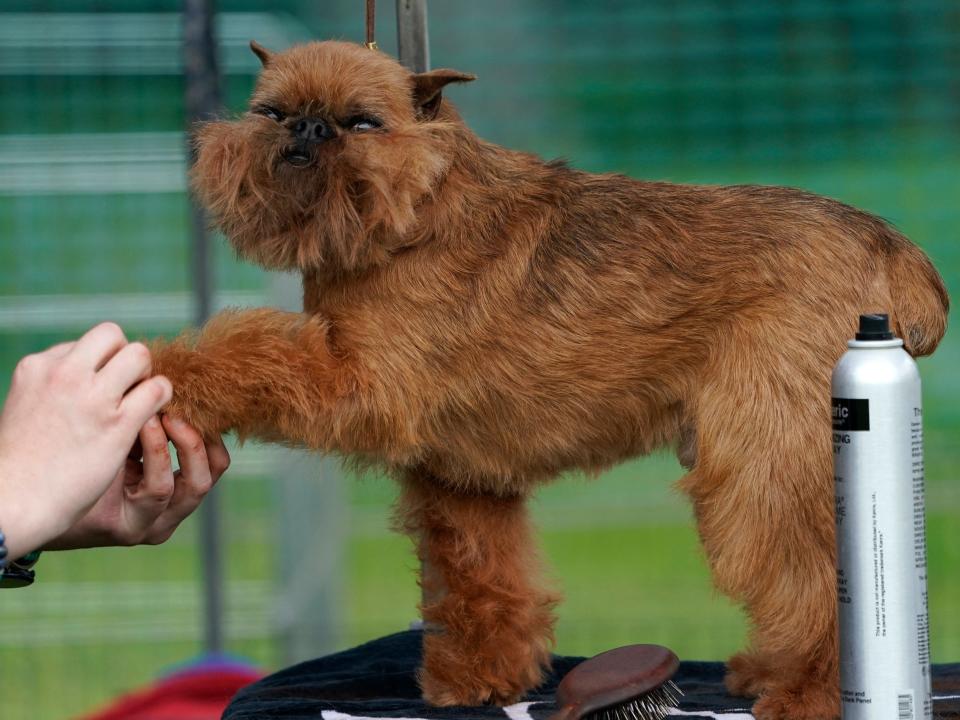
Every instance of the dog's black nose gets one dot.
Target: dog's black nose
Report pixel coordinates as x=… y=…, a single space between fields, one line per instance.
x=311 y=130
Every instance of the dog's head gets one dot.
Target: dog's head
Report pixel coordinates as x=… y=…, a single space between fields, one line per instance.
x=327 y=168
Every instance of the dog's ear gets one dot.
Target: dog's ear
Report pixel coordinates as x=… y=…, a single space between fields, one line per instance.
x=428 y=90
x=261 y=52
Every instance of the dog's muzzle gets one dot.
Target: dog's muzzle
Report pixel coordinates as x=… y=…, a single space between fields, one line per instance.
x=298 y=156
x=307 y=133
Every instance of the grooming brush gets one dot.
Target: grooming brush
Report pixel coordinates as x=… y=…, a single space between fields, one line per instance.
x=629 y=683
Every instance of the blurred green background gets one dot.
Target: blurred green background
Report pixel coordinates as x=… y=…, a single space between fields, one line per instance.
x=855 y=99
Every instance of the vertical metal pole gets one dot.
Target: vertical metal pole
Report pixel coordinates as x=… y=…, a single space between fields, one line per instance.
x=413 y=44
x=202 y=86
x=412 y=39
x=311 y=533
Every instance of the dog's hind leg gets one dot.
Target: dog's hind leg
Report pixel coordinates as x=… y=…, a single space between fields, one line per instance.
x=488 y=623
x=762 y=489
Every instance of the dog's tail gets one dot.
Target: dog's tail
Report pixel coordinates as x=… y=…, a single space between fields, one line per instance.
x=920 y=301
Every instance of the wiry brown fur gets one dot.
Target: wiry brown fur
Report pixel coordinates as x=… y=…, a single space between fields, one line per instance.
x=478 y=321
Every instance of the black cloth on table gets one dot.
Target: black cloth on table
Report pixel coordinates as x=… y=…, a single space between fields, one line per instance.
x=378 y=680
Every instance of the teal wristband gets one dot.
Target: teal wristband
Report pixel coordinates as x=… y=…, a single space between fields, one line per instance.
x=28 y=561
x=19 y=572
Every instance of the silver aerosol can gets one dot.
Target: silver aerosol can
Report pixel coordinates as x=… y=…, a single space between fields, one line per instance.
x=881 y=545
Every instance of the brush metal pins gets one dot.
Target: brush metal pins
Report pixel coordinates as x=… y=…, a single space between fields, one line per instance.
x=628 y=683
x=655 y=705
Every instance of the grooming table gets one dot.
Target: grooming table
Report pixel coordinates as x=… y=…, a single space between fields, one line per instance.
x=377 y=680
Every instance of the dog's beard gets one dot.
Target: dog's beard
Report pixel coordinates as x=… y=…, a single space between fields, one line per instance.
x=347 y=210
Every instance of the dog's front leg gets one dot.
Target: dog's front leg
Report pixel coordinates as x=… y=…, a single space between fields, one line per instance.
x=488 y=618
x=263 y=373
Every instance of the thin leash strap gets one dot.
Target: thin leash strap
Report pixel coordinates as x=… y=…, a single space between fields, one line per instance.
x=371 y=16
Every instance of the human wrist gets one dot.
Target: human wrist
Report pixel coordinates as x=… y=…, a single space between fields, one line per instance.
x=25 y=523
x=19 y=529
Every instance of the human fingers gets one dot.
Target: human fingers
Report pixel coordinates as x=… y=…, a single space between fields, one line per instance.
x=37 y=367
x=134 y=464
x=148 y=500
x=196 y=473
x=187 y=440
x=136 y=450
x=129 y=365
x=98 y=345
x=144 y=400
x=59 y=350
x=218 y=458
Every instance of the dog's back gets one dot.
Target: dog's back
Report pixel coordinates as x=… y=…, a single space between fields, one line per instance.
x=708 y=254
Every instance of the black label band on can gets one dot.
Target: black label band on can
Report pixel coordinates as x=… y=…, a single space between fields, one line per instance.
x=850 y=414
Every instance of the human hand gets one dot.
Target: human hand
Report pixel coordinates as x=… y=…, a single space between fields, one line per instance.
x=71 y=416
x=147 y=500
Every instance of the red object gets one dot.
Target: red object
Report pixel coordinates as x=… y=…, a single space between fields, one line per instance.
x=198 y=693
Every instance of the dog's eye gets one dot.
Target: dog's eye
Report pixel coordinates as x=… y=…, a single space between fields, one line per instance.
x=362 y=123
x=270 y=112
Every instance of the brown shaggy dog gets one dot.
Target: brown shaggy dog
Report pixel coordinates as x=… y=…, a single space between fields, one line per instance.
x=477 y=321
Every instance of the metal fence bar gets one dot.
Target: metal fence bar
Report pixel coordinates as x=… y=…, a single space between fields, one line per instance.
x=311 y=533
x=412 y=40
x=202 y=83
x=413 y=45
